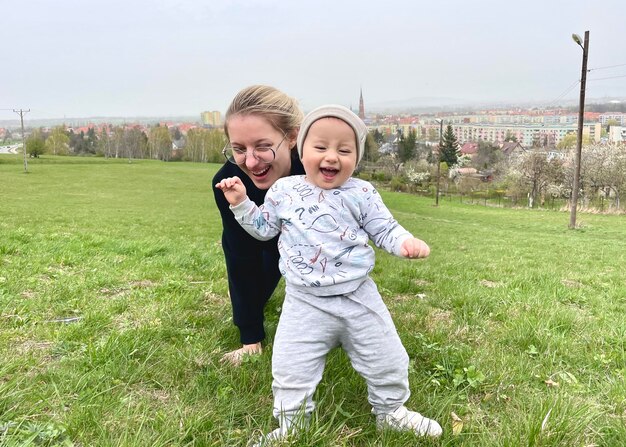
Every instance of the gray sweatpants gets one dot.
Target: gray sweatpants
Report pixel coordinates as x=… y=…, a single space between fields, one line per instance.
x=310 y=326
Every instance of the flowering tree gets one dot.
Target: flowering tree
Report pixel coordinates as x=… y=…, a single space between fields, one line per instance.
x=603 y=171
x=417 y=173
x=535 y=175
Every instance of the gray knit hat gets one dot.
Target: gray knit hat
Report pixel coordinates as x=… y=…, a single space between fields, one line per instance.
x=335 y=111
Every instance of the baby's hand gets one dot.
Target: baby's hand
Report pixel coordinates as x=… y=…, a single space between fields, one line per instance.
x=414 y=248
x=233 y=189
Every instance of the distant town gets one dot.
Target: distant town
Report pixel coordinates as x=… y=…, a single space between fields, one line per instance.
x=531 y=127
x=516 y=156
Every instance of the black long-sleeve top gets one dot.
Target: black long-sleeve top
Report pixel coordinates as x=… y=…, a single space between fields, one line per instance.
x=252 y=265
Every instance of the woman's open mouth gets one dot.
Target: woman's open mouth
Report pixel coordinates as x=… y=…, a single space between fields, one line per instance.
x=260 y=173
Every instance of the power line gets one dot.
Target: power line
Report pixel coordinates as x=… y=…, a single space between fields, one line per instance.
x=575 y=83
x=610 y=77
x=562 y=95
x=608 y=66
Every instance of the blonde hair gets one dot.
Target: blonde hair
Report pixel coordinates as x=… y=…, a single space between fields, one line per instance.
x=279 y=109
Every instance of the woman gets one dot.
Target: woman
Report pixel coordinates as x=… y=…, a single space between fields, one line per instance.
x=261 y=126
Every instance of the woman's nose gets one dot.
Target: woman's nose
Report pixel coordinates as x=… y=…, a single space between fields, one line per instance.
x=251 y=162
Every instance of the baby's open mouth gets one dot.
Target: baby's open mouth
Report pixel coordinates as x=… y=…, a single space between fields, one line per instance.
x=329 y=172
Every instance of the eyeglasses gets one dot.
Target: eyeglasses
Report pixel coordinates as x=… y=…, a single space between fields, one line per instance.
x=264 y=153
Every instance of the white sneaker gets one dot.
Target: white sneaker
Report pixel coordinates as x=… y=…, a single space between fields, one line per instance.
x=272 y=438
x=406 y=420
x=288 y=426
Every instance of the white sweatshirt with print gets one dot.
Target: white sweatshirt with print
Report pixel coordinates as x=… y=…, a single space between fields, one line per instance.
x=324 y=233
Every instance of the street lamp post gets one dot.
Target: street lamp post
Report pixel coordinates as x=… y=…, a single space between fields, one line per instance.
x=439 y=160
x=581 y=115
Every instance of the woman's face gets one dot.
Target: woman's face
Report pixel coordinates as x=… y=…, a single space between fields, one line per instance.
x=248 y=132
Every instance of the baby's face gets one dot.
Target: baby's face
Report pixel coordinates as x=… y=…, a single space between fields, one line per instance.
x=329 y=155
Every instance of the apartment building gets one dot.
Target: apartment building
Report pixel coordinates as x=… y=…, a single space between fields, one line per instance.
x=213 y=118
x=529 y=135
x=546 y=135
x=619 y=117
x=617 y=134
x=403 y=125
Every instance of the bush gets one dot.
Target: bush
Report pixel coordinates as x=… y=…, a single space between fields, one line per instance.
x=35 y=145
x=381 y=176
x=398 y=184
x=363 y=175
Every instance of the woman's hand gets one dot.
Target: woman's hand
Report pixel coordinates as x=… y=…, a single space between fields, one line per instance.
x=233 y=189
x=236 y=357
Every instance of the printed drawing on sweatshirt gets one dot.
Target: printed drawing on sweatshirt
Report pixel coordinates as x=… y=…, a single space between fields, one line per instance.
x=324 y=234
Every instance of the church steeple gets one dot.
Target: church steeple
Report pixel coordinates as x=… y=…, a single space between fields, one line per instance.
x=361 y=106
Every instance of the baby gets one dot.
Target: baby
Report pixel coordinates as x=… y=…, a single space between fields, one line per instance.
x=325 y=219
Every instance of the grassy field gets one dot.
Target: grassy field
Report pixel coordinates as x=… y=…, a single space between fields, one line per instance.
x=114 y=313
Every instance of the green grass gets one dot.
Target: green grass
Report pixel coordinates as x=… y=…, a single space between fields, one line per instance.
x=114 y=313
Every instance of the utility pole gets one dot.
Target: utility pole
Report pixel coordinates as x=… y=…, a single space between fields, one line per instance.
x=581 y=117
x=439 y=160
x=21 y=113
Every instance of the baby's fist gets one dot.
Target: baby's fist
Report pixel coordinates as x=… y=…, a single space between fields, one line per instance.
x=415 y=248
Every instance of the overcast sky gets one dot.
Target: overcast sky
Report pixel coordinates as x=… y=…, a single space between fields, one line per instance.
x=81 y=58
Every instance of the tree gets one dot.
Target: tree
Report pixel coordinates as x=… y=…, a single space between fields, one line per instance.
x=77 y=142
x=379 y=138
x=371 y=147
x=205 y=145
x=118 y=142
x=160 y=143
x=569 y=141
x=390 y=163
x=406 y=146
x=105 y=142
x=450 y=148
x=538 y=173
x=194 y=146
x=57 y=142
x=603 y=171
x=417 y=173
x=612 y=122
x=35 y=145
x=510 y=137
x=91 y=142
x=431 y=156
x=433 y=134
x=135 y=143
x=216 y=142
x=7 y=136
x=175 y=133
x=487 y=156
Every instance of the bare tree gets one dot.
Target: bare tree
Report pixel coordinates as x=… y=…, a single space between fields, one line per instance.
x=135 y=143
x=160 y=143
x=205 y=145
